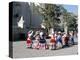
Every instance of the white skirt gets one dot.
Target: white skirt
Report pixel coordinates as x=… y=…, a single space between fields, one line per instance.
x=58 y=45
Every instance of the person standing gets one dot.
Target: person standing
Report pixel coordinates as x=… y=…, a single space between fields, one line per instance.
x=71 y=38
x=29 y=42
x=35 y=44
x=59 y=41
x=52 y=42
x=42 y=40
x=65 y=39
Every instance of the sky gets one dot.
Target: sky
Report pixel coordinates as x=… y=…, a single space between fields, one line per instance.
x=71 y=8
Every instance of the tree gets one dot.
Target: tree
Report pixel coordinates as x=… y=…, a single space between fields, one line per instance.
x=69 y=20
x=66 y=18
x=50 y=15
x=72 y=23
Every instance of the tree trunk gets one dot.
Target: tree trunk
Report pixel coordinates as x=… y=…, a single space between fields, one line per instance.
x=65 y=28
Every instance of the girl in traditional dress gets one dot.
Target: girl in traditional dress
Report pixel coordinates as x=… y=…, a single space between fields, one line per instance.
x=65 y=39
x=29 y=42
x=42 y=41
x=71 y=39
x=59 y=41
x=35 y=44
x=52 y=44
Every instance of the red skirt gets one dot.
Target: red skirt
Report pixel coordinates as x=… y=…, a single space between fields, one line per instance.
x=29 y=41
x=52 y=41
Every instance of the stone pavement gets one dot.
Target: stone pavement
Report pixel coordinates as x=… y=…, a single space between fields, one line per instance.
x=20 y=51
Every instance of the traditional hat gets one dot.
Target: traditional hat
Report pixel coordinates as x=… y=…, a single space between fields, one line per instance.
x=59 y=32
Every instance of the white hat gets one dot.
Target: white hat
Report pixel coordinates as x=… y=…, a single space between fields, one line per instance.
x=59 y=32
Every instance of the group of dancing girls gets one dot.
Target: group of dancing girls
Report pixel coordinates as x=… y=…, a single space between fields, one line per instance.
x=56 y=41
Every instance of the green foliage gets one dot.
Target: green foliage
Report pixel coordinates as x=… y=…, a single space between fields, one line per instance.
x=72 y=23
x=50 y=14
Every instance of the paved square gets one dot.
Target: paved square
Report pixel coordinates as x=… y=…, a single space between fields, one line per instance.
x=20 y=51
